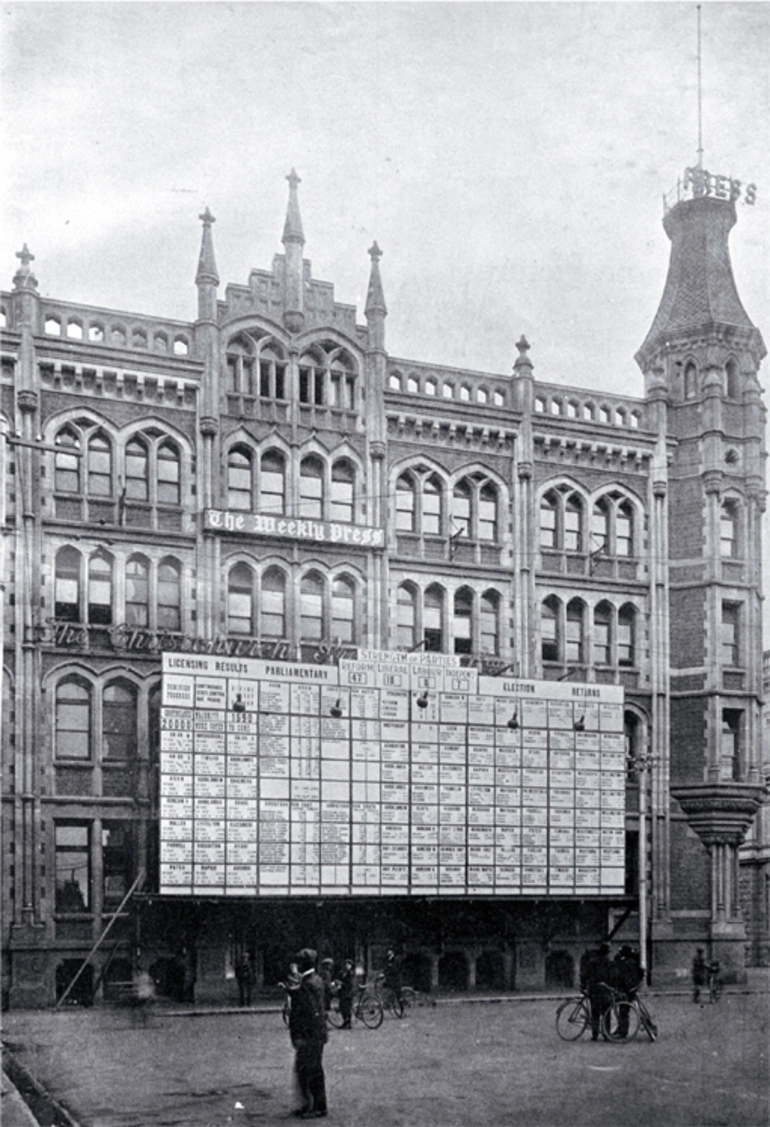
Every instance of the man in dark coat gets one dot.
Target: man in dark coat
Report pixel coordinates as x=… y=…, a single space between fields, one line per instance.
x=698 y=974
x=245 y=979
x=628 y=977
x=596 y=976
x=347 y=989
x=307 y=1028
x=391 y=975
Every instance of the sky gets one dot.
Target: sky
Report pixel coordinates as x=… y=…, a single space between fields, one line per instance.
x=509 y=158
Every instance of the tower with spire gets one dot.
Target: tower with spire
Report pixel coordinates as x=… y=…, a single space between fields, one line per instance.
x=700 y=360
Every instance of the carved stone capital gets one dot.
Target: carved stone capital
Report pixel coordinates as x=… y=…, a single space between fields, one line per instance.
x=525 y=471
x=209 y=426
x=720 y=812
x=27 y=401
x=712 y=481
x=377 y=451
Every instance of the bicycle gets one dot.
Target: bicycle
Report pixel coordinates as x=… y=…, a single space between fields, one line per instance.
x=573 y=1017
x=620 y=1023
x=714 y=981
x=399 y=1002
x=366 y=1008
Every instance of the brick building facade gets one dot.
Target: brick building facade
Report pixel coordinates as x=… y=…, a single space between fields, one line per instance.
x=174 y=486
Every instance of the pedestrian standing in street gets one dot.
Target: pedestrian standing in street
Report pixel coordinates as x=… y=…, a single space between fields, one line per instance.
x=327 y=977
x=307 y=1028
x=190 y=956
x=698 y=974
x=391 y=975
x=245 y=979
x=347 y=987
x=144 y=994
x=596 y=975
x=627 y=977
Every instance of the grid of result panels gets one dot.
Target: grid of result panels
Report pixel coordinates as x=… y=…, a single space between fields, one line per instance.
x=387 y=777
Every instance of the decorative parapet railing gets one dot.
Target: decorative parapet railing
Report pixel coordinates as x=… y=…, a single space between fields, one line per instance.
x=583 y=405
x=449 y=384
x=111 y=329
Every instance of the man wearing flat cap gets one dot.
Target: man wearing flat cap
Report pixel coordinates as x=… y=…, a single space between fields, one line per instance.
x=307 y=1028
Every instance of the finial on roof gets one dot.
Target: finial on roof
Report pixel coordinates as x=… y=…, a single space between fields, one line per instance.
x=292 y=228
x=24 y=278
x=375 y=298
x=522 y=360
x=207 y=267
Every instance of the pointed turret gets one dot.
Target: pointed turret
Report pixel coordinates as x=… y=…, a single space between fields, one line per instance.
x=292 y=228
x=700 y=294
x=293 y=240
x=376 y=310
x=207 y=267
x=207 y=278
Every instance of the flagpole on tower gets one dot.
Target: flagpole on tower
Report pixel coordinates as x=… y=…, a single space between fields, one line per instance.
x=700 y=100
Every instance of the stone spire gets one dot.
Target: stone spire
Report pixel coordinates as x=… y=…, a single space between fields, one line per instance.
x=376 y=310
x=292 y=228
x=207 y=267
x=375 y=298
x=700 y=288
x=293 y=240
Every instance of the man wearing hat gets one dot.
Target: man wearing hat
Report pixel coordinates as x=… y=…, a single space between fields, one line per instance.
x=699 y=977
x=596 y=973
x=308 y=1032
x=628 y=978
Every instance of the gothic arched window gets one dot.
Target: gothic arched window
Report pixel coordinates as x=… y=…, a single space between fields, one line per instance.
x=72 y=720
x=240 y=600
x=489 y=623
x=272 y=483
x=169 y=604
x=343 y=609
x=463 y=621
x=100 y=590
x=119 y=735
x=137 y=591
x=311 y=488
x=239 y=478
x=311 y=606
x=67 y=585
x=272 y=615
x=342 y=495
x=406 y=618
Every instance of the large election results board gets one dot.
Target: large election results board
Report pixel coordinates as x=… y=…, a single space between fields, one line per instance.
x=386 y=776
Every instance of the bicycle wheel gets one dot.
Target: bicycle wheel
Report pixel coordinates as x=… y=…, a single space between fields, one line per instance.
x=650 y=1028
x=333 y=1015
x=572 y=1019
x=408 y=1000
x=621 y=1022
x=715 y=990
x=369 y=1010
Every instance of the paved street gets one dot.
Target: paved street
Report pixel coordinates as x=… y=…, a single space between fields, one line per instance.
x=452 y=1065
